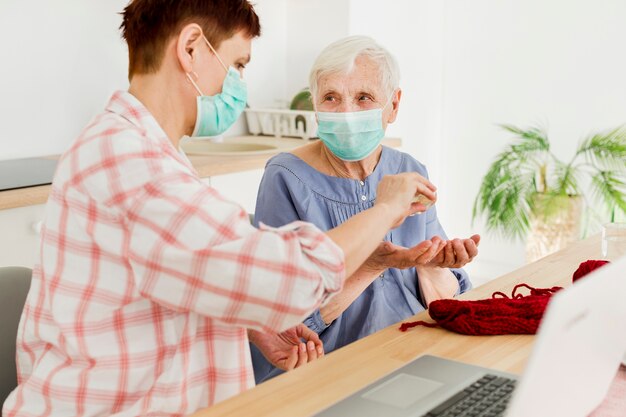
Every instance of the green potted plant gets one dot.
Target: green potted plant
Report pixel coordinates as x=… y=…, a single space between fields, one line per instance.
x=528 y=192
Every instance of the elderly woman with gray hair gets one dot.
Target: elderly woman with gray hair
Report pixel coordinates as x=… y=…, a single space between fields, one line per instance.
x=355 y=90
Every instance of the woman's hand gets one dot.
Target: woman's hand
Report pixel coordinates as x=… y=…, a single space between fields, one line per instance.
x=436 y=281
x=456 y=253
x=287 y=350
x=388 y=255
x=399 y=191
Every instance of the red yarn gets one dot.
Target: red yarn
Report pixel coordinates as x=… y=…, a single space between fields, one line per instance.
x=533 y=291
x=406 y=326
x=500 y=314
x=586 y=267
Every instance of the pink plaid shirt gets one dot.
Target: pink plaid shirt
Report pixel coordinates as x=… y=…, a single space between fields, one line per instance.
x=148 y=279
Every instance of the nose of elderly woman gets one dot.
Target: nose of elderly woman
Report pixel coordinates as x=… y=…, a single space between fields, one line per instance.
x=345 y=106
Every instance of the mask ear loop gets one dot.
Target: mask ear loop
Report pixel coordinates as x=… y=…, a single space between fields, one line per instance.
x=193 y=82
x=196 y=75
x=216 y=54
x=388 y=100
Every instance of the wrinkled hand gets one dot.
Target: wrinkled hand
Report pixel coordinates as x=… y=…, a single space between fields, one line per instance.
x=398 y=192
x=286 y=350
x=457 y=253
x=388 y=255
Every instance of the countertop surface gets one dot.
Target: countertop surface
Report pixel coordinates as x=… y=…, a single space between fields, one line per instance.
x=207 y=165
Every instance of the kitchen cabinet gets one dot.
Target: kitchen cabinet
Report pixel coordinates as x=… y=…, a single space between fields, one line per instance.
x=240 y=187
x=19 y=231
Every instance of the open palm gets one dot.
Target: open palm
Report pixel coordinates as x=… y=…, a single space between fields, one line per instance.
x=389 y=255
x=289 y=349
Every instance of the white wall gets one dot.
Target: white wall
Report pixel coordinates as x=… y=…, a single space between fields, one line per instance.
x=311 y=26
x=61 y=61
x=558 y=62
x=267 y=71
x=412 y=30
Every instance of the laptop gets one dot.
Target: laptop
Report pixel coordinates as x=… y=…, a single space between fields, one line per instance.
x=578 y=349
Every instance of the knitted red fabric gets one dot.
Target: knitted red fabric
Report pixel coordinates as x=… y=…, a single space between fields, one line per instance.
x=501 y=314
x=586 y=267
x=498 y=315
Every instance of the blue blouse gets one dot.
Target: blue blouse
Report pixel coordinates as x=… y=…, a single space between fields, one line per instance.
x=293 y=190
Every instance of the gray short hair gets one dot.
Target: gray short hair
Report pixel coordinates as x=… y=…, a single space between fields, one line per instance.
x=339 y=57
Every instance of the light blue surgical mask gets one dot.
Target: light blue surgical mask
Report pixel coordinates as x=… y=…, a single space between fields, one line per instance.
x=217 y=113
x=351 y=136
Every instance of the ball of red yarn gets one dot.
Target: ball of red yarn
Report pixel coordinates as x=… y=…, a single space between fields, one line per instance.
x=586 y=267
x=490 y=317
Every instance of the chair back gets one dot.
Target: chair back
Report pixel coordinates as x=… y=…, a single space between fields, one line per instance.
x=14 y=286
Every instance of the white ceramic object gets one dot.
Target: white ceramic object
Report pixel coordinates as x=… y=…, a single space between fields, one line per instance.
x=613 y=241
x=279 y=123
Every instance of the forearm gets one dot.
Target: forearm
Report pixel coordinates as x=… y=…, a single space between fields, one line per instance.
x=361 y=234
x=436 y=283
x=353 y=287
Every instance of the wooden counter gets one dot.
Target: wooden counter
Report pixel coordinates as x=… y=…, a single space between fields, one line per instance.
x=314 y=387
x=206 y=165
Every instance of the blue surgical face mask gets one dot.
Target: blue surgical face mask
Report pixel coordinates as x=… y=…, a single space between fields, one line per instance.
x=217 y=113
x=351 y=136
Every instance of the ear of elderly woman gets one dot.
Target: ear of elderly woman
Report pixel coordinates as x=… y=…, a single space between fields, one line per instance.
x=355 y=88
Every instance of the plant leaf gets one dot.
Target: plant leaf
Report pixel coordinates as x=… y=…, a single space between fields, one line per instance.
x=565 y=178
x=605 y=150
x=610 y=190
x=506 y=188
x=533 y=135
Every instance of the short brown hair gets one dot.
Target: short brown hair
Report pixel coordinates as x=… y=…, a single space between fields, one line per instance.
x=148 y=25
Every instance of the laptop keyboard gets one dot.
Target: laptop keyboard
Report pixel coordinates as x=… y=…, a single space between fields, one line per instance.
x=487 y=397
